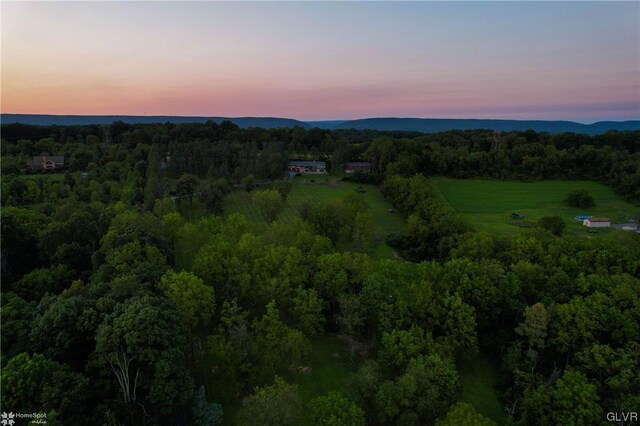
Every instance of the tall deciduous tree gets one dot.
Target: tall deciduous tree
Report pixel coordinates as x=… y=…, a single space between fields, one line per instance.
x=37 y=384
x=17 y=315
x=212 y=195
x=276 y=345
x=269 y=202
x=142 y=344
x=307 y=310
x=424 y=392
x=334 y=409
x=580 y=198
x=464 y=414
x=275 y=405
x=283 y=187
x=327 y=220
x=398 y=347
x=553 y=224
x=192 y=299
x=186 y=187
x=573 y=400
x=534 y=327
x=153 y=188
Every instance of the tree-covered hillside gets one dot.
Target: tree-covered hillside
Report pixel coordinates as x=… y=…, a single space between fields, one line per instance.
x=130 y=296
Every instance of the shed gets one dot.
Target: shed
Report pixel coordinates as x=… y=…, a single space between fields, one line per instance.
x=357 y=167
x=597 y=222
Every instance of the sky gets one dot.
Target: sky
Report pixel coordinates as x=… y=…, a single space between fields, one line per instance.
x=326 y=60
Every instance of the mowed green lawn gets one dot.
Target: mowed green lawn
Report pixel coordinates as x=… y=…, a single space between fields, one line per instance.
x=330 y=368
x=487 y=204
x=478 y=379
x=322 y=192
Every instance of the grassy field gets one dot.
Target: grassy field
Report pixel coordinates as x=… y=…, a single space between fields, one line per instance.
x=330 y=369
x=53 y=177
x=478 y=379
x=305 y=191
x=330 y=366
x=487 y=204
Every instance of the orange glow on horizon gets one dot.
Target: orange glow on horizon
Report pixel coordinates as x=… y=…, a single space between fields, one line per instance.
x=220 y=59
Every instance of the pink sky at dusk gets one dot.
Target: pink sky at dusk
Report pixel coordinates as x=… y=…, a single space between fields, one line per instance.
x=315 y=61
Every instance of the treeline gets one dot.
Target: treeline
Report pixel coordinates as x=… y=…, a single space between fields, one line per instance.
x=433 y=226
x=208 y=149
x=211 y=150
x=612 y=158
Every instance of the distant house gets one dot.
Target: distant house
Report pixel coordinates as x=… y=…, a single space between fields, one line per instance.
x=297 y=168
x=46 y=163
x=582 y=217
x=597 y=222
x=357 y=167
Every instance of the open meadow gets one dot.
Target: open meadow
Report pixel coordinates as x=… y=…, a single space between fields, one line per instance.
x=488 y=204
x=323 y=191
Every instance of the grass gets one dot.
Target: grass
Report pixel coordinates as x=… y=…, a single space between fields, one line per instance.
x=54 y=177
x=478 y=380
x=487 y=204
x=323 y=192
x=330 y=368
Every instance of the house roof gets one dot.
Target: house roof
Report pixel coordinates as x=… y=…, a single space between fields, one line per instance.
x=307 y=163
x=357 y=163
x=599 y=219
x=583 y=216
x=54 y=158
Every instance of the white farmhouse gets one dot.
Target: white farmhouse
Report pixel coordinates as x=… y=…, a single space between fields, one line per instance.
x=597 y=222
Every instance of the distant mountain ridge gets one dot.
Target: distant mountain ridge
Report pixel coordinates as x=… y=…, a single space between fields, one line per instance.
x=431 y=125
x=71 y=120
x=426 y=125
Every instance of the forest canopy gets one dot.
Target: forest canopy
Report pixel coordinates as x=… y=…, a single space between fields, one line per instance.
x=121 y=306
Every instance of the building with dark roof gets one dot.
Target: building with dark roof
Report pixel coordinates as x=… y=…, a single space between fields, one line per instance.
x=357 y=167
x=46 y=163
x=297 y=168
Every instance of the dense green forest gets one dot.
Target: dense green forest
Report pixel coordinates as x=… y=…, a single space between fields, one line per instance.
x=119 y=306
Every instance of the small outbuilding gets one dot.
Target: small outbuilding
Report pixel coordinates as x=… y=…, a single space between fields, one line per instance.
x=597 y=222
x=631 y=226
x=357 y=167
x=582 y=217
